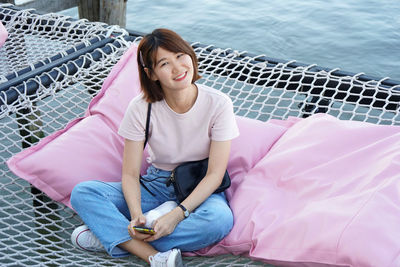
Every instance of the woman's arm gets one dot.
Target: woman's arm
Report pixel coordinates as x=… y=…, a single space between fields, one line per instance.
x=132 y=160
x=217 y=163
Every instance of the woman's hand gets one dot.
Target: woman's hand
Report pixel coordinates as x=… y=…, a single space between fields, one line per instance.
x=166 y=224
x=138 y=220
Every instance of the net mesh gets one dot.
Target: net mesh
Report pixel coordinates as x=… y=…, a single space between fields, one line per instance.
x=33 y=38
x=35 y=231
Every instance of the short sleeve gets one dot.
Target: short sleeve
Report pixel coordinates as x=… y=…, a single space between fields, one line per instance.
x=132 y=126
x=225 y=127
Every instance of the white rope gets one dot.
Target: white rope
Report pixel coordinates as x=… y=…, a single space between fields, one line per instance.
x=25 y=45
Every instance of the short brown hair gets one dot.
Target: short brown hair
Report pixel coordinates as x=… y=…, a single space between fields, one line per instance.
x=146 y=58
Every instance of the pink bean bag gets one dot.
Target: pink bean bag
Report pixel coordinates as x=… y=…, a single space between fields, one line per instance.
x=312 y=192
x=3 y=34
x=327 y=193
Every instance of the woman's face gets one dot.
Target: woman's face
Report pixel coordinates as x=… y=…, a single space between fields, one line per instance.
x=174 y=71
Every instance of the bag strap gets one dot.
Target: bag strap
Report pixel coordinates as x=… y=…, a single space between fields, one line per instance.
x=145 y=142
x=147 y=125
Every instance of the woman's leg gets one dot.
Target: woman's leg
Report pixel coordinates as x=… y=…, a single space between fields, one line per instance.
x=103 y=209
x=208 y=224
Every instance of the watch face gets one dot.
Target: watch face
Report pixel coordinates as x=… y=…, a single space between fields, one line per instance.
x=186 y=213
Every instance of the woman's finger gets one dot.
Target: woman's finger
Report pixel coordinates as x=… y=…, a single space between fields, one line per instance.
x=152 y=238
x=130 y=231
x=141 y=236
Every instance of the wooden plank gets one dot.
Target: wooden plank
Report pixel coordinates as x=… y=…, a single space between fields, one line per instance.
x=89 y=9
x=113 y=12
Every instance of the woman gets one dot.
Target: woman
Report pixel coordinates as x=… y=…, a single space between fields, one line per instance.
x=188 y=122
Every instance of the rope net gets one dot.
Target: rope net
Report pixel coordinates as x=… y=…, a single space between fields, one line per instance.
x=34 y=37
x=35 y=231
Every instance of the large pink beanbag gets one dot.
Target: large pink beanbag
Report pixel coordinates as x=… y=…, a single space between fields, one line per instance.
x=305 y=192
x=3 y=34
x=328 y=192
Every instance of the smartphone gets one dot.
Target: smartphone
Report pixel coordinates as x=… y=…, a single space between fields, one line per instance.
x=144 y=230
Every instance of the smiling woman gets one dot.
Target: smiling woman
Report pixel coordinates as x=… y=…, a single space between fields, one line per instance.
x=171 y=50
x=187 y=122
x=174 y=73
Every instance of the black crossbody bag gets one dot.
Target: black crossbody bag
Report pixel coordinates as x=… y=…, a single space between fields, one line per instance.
x=187 y=175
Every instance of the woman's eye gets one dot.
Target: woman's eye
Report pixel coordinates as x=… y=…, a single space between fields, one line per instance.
x=164 y=64
x=180 y=55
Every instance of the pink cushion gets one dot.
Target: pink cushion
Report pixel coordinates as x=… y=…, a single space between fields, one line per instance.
x=3 y=34
x=90 y=148
x=328 y=192
x=255 y=140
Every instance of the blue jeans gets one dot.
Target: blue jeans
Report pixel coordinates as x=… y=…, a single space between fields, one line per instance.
x=103 y=209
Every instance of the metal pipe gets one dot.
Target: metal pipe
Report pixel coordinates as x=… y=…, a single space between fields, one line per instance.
x=46 y=74
x=58 y=62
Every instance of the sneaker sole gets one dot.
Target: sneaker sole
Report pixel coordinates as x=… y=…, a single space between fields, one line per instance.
x=177 y=261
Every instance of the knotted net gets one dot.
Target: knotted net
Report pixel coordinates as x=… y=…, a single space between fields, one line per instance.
x=34 y=230
x=33 y=38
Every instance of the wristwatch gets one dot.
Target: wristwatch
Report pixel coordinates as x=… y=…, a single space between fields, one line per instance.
x=185 y=211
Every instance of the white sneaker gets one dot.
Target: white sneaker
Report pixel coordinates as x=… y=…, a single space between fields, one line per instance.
x=170 y=258
x=84 y=239
x=156 y=213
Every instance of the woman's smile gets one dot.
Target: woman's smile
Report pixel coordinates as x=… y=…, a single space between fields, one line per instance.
x=181 y=77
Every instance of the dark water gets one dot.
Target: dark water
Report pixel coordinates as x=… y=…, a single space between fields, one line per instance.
x=353 y=35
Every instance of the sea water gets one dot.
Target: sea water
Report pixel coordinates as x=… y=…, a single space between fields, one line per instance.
x=353 y=35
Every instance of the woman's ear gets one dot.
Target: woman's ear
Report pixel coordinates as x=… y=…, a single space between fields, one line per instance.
x=150 y=74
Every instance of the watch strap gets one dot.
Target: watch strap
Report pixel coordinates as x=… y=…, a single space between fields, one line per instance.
x=185 y=211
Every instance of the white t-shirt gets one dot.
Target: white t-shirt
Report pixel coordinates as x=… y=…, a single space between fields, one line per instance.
x=176 y=138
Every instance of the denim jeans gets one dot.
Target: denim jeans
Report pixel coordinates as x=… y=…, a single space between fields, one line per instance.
x=103 y=209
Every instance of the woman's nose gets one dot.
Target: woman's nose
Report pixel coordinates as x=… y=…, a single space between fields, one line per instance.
x=175 y=66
